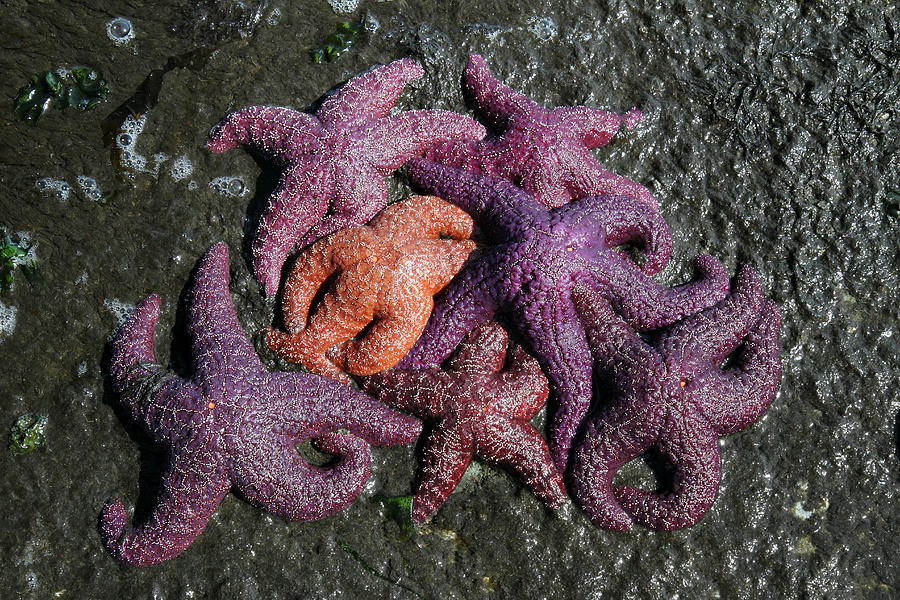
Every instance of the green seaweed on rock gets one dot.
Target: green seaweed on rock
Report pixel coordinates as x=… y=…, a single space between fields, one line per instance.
x=336 y=44
x=13 y=253
x=27 y=433
x=81 y=88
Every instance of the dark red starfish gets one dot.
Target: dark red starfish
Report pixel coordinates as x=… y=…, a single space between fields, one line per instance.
x=476 y=407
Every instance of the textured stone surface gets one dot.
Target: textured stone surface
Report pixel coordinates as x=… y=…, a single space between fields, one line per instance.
x=769 y=138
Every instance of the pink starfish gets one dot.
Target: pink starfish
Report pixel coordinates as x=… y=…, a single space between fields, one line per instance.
x=334 y=162
x=546 y=152
x=476 y=407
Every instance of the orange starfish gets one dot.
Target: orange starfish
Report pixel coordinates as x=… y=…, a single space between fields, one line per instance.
x=387 y=272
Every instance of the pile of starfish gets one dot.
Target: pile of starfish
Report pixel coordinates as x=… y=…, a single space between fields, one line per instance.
x=406 y=326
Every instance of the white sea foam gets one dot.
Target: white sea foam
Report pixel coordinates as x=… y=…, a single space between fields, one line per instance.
x=7 y=320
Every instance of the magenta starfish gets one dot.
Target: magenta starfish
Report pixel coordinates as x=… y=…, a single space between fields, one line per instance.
x=334 y=162
x=673 y=394
x=477 y=407
x=537 y=257
x=547 y=152
x=234 y=424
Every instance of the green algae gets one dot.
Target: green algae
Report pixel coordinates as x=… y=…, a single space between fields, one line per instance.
x=27 y=433
x=344 y=37
x=14 y=253
x=81 y=88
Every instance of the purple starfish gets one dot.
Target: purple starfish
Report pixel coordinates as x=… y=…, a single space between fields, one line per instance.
x=232 y=423
x=537 y=258
x=334 y=162
x=478 y=407
x=547 y=152
x=673 y=394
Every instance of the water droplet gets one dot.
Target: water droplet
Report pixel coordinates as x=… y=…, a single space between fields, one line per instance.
x=123 y=140
x=119 y=27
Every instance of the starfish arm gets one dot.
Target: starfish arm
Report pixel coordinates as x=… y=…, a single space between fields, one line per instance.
x=622 y=432
x=481 y=352
x=498 y=206
x=467 y=302
x=411 y=133
x=301 y=198
x=590 y=178
x=359 y=194
x=496 y=103
x=610 y=339
x=518 y=447
x=424 y=217
x=131 y=349
x=624 y=220
x=188 y=496
x=218 y=344
x=593 y=126
x=552 y=331
x=391 y=336
x=313 y=267
x=735 y=399
x=280 y=134
x=693 y=450
x=708 y=337
x=283 y=484
x=420 y=392
x=369 y=95
x=523 y=388
x=434 y=263
x=646 y=305
x=314 y=406
x=447 y=452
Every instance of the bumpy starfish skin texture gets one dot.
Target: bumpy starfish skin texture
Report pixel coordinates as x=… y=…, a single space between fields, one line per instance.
x=537 y=258
x=234 y=424
x=672 y=394
x=547 y=152
x=334 y=162
x=386 y=271
x=479 y=405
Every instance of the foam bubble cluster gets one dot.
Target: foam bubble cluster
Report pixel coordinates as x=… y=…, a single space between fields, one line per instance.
x=7 y=320
x=121 y=310
x=233 y=187
x=343 y=7
x=181 y=168
x=543 y=28
x=89 y=188
x=54 y=187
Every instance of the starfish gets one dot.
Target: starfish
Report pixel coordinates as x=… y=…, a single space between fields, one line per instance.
x=672 y=393
x=386 y=271
x=476 y=407
x=547 y=152
x=537 y=258
x=334 y=162
x=234 y=424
